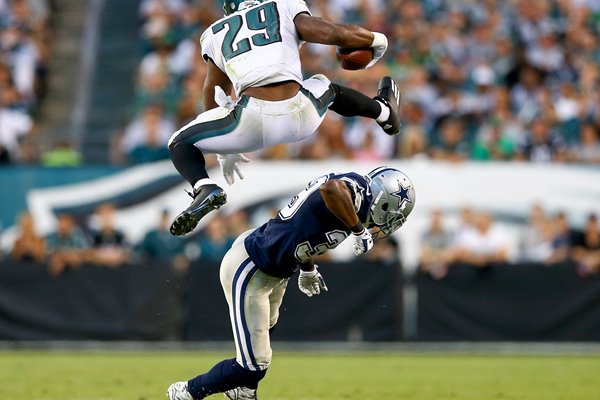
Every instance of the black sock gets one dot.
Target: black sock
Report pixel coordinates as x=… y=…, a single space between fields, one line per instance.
x=189 y=161
x=351 y=103
x=226 y=375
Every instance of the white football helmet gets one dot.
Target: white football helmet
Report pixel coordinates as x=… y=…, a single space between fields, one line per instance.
x=393 y=200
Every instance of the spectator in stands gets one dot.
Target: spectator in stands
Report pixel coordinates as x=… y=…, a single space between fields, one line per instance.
x=541 y=145
x=109 y=245
x=17 y=48
x=536 y=243
x=413 y=140
x=587 y=150
x=67 y=247
x=29 y=246
x=15 y=123
x=145 y=138
x=436 y=252
x=157 y=88
x=483 y=246
x=561 y=239
x=215 y=240
x=451 y=145
x=526 y=94
x=586 y=247
x=491 y=144
x=160 y=246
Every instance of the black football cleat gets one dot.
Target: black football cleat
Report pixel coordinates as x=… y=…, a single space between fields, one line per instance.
x=206 y=198
x=388 y=93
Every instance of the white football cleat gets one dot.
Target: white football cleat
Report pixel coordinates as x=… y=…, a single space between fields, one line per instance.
x=241 y=393
x=179 y=391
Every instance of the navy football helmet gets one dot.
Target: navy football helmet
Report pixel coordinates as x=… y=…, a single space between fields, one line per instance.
x=393 y=200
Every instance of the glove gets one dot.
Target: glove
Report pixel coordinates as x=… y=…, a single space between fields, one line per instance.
x=229 y=165
x=311 y=282
x=223 y=99
x=379 y=46
x=363 y=242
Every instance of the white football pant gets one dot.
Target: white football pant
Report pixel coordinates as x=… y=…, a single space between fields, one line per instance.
x=252 y=124
x=254 y=299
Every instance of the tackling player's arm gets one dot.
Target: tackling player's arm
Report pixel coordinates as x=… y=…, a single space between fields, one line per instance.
x=338 y=199
x=214 y=77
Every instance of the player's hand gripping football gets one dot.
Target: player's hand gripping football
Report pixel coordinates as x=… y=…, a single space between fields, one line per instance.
x=311 y=282
x=379 y=46
x=229 y=166
x=363 y=242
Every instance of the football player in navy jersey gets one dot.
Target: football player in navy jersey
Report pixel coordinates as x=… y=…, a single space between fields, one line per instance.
x=255 y=271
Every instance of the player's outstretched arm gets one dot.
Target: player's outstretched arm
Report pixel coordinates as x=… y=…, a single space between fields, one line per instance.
x=338 y=200
x=214 y=77
x=318 y=30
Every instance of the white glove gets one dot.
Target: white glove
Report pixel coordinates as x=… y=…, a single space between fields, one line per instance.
x=363 y=242
x=229 y=165
x=223 y=99
x=311 y=282
x=379 y=46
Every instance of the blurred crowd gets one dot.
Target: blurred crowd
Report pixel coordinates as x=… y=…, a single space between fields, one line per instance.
x=98 y=240
x=481 y=80
x=478 y=240
x=25 y=39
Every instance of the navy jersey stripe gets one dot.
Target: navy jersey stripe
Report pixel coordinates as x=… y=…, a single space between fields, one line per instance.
x=234 y=301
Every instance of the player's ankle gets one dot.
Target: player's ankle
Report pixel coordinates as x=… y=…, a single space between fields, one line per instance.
x=385 y=112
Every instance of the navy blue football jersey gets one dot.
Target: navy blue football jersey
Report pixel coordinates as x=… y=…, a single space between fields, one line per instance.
x=305 y=227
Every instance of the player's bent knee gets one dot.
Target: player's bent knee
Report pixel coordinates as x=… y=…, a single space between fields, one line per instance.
x=173 y=140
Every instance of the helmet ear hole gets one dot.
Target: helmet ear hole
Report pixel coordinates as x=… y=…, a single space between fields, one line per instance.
x=385 y=206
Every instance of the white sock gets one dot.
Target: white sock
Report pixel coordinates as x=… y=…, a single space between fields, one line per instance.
x=202 y=182
x=385 y=112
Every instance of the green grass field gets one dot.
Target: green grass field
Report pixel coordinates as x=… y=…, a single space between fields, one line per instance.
x=302 y=376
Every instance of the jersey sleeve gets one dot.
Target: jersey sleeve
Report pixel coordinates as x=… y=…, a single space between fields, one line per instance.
x=207 y=46
x=294 y=7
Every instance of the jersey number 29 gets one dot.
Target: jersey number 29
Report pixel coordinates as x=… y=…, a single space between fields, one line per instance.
x=263 y=18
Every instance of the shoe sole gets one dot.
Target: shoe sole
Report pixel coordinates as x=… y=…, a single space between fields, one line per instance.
x=188 y=220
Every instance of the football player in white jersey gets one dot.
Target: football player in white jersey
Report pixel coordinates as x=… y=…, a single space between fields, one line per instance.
x=254 y=50
x=255 y=271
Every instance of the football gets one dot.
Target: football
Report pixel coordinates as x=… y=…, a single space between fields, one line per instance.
x=353 y=59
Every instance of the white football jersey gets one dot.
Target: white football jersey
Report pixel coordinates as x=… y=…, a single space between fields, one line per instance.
x=258 y=45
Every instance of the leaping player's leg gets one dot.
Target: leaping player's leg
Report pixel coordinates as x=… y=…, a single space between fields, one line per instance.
x=351 y=103
x=189 y=161
x=383 y=108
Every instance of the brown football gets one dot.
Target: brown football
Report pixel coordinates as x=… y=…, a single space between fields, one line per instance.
x=353 y=59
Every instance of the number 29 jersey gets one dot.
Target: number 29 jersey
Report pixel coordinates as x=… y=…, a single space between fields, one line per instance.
x=258 y=45
x=305 y=227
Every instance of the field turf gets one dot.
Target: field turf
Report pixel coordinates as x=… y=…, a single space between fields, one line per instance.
x=303 y=376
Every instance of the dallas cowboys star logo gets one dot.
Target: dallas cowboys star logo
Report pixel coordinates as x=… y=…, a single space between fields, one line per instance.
x=402 y=194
